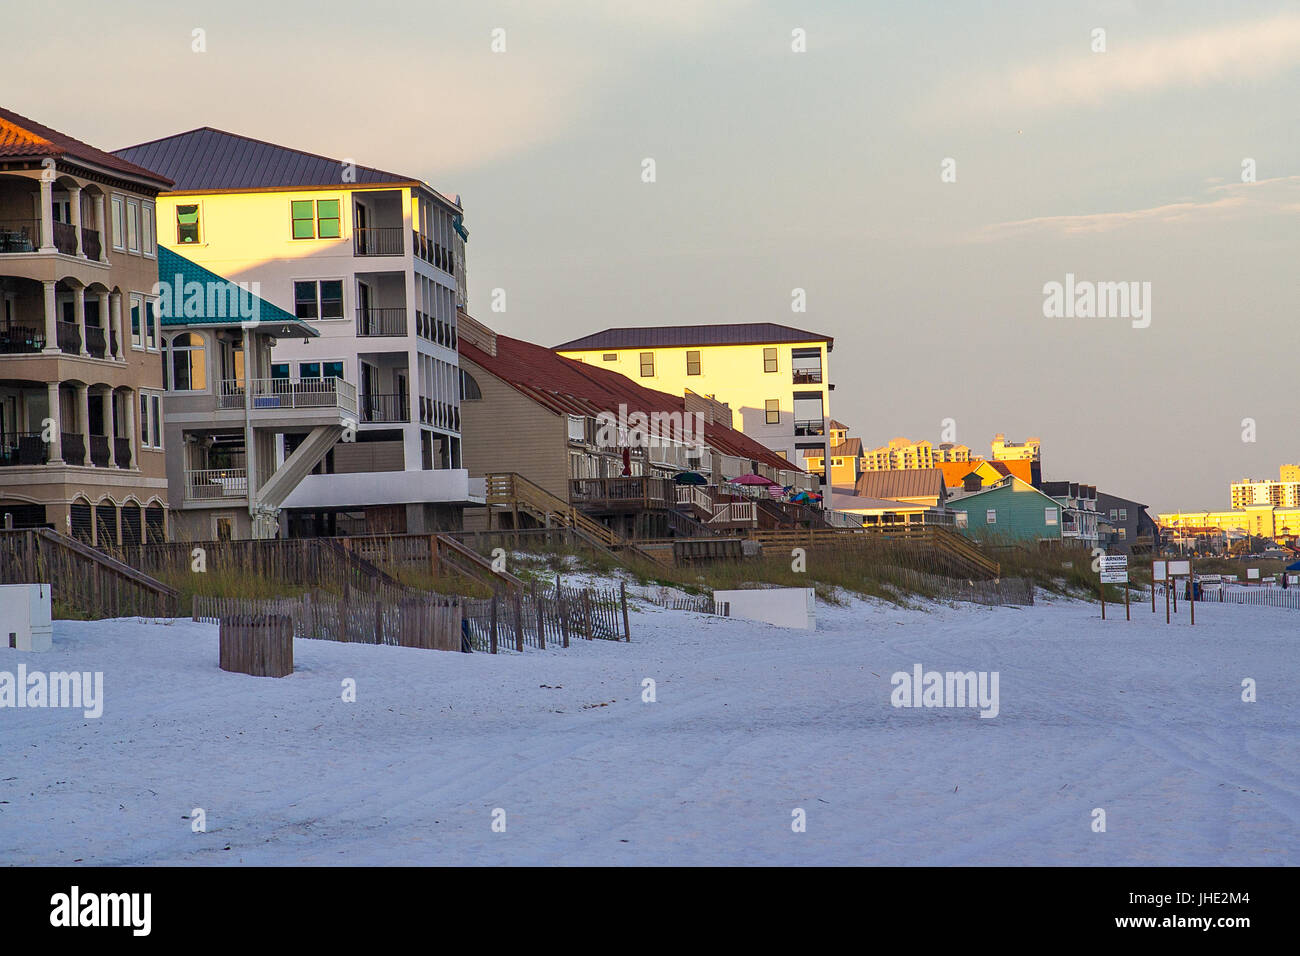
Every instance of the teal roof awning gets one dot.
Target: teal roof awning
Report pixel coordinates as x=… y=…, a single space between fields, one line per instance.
x=190 y=295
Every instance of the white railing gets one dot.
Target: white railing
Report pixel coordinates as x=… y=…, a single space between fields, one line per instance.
x=843 y=519
x=734 y=512
x=209 y=483
x=283 y=393
x=694 y=495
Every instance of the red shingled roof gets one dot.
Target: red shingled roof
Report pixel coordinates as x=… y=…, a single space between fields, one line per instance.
x=23 y=138
x=570 y=387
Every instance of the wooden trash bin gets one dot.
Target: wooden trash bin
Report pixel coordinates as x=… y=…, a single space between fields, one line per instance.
x=257 y=644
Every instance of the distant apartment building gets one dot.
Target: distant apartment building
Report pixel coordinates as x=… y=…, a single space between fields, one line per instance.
x=373 y=261
x=1003 y=450
x=775 y=378
x=1264 y=521
x=81 y=429
x=1283 y=493
x=899 y=454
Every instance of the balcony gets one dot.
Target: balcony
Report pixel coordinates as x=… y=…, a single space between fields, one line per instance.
x=19 y=235
x=631 y=493
x=21 y=339
x=377 y=322
x=23 y=448
x=810 y=426
x=281 y=393
x=385 y=408
x=90 y=244
x=215 y=484
x=96 y=341
x=378 y=241
x=99 y=451
x=74 y=448
x=807 y=376
x=122 y=452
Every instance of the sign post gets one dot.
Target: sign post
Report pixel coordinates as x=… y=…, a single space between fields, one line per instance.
x=1157 y=574
x=1114 y=570
x=1176 y=569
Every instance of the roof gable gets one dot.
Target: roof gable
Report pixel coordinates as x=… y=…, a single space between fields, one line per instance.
x=679 y=336
x=23 y=138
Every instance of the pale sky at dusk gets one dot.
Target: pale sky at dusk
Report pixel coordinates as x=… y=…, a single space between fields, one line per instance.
x=818 y=170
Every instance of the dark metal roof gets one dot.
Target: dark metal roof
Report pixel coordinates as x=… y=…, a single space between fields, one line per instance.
x=208 y=158
x=23 y=138
x=676 y=336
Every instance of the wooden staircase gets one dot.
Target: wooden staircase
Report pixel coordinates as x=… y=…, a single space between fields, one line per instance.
x=947 y=550
x=84 y=581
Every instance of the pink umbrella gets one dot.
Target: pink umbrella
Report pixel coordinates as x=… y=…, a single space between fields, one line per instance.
x=751 y=480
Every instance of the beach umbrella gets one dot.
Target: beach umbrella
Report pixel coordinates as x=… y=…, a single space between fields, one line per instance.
x=753 y=479
x=690 y=478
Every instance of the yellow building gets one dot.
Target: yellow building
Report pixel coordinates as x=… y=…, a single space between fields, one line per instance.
x=774 y=377
x=846 y=458
x=1003 y=450
x=1261 y=520
x=899 y=454
x=1283 y=493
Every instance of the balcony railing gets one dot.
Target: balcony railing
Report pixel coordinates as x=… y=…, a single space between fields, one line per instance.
x=385 y=408
x=810 y=426
x=23 y=448
x=807 y=376
x=99 y=451
x=210 y=483
x=378 y=241
x=122 y=452
x=69 y=336
x=18 y=339
x=96 y=342
x=65 y=238
x=387 y=321
x=90 y=243
x=74 y=448
x=637 y=491
x=19 y=235
x=695 y=495
x=271 y=393
x=735 y=512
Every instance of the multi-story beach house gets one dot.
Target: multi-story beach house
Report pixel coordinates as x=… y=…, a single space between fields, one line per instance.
x=375 y=262
x=81 y=433
x=775 y=378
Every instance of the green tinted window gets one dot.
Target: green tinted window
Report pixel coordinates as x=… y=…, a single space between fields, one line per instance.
x=327 y=213
x=304 y=224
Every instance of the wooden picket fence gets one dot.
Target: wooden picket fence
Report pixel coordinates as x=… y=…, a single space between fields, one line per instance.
x=998 y=592
x=257 y=644
x=1257 y=596
x=538 y=617
x=701 y=604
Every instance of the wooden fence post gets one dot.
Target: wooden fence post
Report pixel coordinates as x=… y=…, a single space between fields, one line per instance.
x=494 y=622
x=586 y=610
x=622 y=594
x=519 y=623
x=541 y=620
x=563 y=612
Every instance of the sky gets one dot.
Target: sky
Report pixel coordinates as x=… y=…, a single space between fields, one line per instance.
x=822 y=169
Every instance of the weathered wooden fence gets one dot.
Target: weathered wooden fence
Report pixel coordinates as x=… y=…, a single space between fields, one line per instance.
x=1257 y=596
x=700 y=604
x=85 y=583
x=257 y=644
x=554 y=615
x=995 y=593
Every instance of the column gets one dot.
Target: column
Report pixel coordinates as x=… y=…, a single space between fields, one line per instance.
x=79 y=315
x=51 y=319
x=106 y=323
x=110 y=429
x=130 y=398
x=83 y=413
x=74 y=207
x=115 y=305
x=56 y=443
x=47 y=215
x=101 y=226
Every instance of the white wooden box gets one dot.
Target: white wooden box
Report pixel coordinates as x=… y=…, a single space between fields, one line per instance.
x=25 y=619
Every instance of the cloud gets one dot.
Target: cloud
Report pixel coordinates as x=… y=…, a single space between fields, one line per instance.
x=1267 y=197
x=1232 y=52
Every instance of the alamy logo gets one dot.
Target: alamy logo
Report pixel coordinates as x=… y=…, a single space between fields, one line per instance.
x=133 y=910
x=1098 y=300
x=76 y=689
x=649 y=430
x=213 y=300
x=951 y=689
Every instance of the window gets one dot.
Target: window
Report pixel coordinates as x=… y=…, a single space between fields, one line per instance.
x=137 y=319
x=609 y=357
x=1114 y=514
x=991 y=516
x=189 y=371
x=318 y=300
x=1123 y=533
x=962 y=520
x=151 y=324
x=280 y=370
x=187 y=224
x=150 y=420
x=315 y=220
x=119 y=224
x=769 y=360
x=773 y=409
x=132 y=225
x=309 y=369
x=149 y=235
x=1123 y=514
x=1049 y=516
x=693 y=363
x=647 y=364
